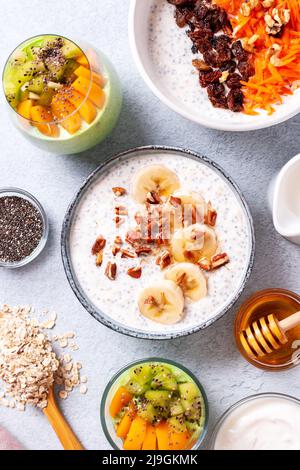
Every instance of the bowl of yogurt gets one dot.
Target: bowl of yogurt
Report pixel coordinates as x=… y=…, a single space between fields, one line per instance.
x=155 y=291
x=267 y=421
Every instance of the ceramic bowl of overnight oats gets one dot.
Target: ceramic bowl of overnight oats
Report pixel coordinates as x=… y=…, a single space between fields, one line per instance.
x=63 y=97
x=226 y=65
x=158 y=243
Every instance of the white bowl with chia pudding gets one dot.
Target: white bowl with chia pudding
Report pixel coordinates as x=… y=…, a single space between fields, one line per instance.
x=114 y=301
x=163 y=56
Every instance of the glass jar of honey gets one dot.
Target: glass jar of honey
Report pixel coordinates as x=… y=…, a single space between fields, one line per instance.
x=253 y=334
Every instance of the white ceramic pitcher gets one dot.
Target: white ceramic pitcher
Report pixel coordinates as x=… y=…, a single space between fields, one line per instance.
x=286 y=201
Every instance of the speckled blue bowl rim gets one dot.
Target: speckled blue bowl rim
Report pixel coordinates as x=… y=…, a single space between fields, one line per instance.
x=67 y=223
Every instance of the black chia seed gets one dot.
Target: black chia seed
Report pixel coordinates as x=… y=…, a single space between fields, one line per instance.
x=21 y=228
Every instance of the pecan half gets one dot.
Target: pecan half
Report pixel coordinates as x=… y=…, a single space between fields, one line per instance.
x=205 y=263
x=118 y=240
x=150 y=300
x=211 y=215
x=133 y=237
x=111 y=271
x=219 y=260
x=118 y=191
x=135 y=272
x=115 y=249
x=138 y=218
x=180 y=280
x=99 y=259
x=121 y=210
x=128 y=254
x=119 y=221
x=98 y=245
x=143 y=250
x=164 y=259
x=175 y=201
x=153 y=198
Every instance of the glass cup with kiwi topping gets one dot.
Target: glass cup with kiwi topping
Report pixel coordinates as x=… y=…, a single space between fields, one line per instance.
x=154 y=404
x=64 y=97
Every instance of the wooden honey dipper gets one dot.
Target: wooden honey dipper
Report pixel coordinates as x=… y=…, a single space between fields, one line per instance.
x=267 y=334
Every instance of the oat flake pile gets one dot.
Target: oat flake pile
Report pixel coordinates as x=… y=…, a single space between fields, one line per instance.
x=28 y=364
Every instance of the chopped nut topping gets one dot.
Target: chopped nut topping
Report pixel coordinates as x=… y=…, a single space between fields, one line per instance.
x=99 y=259
x=150 y=300
x=118 y=240
x=224 y=76
x=119 y=221
x=175 y=201
x=138 y=218
x=111 y=271
x=135 y=272
x=189 y=255
x=205 y=264
x=98 y=245
x=200 y=64
x=181 y=280
x=128 y=254
x=118 y=191
x=121 y=210
x=115 y=249
x=143 y=250
x=247 y=6
x=211 y=216
x=268 y=3
x=153 y=198
x=164 y=259
x=276 y=20
x=133 y=237
x=219 y=260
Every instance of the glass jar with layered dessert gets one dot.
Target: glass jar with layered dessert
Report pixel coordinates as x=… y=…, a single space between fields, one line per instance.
x=154 y=404
x=64 y=97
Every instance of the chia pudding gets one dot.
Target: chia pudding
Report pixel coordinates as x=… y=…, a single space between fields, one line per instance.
x=171 y=59
x=118 y=298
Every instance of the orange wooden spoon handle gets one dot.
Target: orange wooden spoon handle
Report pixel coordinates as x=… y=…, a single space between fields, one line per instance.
x=64 y=432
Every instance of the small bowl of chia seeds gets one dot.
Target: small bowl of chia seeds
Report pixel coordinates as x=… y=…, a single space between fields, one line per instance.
x=23 y=228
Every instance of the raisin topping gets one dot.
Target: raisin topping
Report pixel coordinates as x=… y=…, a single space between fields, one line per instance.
x=238 y=51
x=217 y=96
x=235 y=100
x=234 y=80
x=246 y=69
x=208 y=77
x=229 y=66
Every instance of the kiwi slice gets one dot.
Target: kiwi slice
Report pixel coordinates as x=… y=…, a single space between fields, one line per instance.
x=46 y=97
x=143 y=373
x=37 y=84
x=159 y=398
x=148 y=412
x=135 y=387
x=165 y=380
x=176 y=407
x=70 y=50
x=177 y=423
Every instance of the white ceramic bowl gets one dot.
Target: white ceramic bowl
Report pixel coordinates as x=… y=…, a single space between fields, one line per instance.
x=286 y=201
x=171 y=71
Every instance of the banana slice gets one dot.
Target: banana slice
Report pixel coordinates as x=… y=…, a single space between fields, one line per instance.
x=189 y=278
x=162 y=302
x=193 y=243
x=155 y=178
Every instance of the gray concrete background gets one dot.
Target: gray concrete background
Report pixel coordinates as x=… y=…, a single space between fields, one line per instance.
x=251 y=158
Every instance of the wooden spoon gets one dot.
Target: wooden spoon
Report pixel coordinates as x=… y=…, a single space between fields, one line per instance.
x=65 y=434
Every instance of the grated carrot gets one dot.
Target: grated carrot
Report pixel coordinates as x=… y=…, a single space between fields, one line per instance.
x=271 y=81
